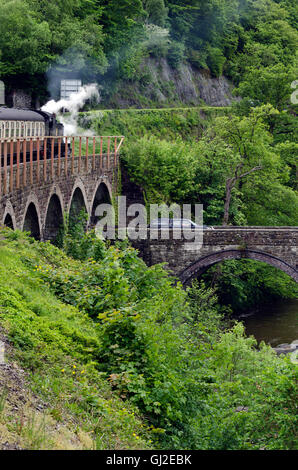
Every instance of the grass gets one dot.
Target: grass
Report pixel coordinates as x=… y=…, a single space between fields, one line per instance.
x=165 y=123
x=58 y=345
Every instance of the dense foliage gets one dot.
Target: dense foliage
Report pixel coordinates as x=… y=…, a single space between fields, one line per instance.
x=177 y=379
x=252 y=42
x=182 y=171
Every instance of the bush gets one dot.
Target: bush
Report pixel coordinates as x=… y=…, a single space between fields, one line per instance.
x=157 y=42
x=176 y=54
x=215 y=61
x=197 y=59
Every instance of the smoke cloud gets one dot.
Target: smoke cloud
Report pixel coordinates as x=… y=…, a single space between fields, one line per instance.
x=73 y=104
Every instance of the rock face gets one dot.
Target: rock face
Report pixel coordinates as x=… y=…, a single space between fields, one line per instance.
x=286 y=348
x=215 y=91
x=166 y=86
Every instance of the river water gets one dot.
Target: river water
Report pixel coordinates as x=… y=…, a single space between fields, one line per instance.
x=275 y=324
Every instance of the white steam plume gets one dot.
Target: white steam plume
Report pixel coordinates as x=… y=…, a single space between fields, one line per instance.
x=73 y=104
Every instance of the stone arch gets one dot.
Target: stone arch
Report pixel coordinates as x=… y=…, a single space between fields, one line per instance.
x=31 y=221
x=8 y=222
x=102 y=195
x=31 y=217
x=78 y=200
x=56 y=190
x=202 y=264
x=54 y=218
x=9 y=219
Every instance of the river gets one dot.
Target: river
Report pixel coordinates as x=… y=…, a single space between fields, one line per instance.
x=275 y=324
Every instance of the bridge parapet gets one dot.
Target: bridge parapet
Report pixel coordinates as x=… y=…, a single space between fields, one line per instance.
x=34 y=160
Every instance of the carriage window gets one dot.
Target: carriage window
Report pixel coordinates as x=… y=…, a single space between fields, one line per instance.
x=12 y=127
x=17 y=133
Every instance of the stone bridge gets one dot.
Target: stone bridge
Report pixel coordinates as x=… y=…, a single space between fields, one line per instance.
x=276 y=246
x=39 y=184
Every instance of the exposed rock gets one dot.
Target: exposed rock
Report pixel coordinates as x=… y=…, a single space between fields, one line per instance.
x=168 y=86
x=215 y=91
x=162 y=86
x=286 y=348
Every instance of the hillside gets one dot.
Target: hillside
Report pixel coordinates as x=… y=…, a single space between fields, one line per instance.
x=165 y=86
x=150 y=53
x=51 y=394
x=99 y=355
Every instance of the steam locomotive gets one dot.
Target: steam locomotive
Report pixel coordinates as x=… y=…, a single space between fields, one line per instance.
x=18 y=124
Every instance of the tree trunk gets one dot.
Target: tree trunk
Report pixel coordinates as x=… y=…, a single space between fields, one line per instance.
x=229 y=187
x=230 y=184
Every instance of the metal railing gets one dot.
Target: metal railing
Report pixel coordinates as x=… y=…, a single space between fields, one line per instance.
x=25 y=161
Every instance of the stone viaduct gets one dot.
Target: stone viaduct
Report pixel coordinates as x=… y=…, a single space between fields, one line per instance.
x=276 y=246
x=37 y=190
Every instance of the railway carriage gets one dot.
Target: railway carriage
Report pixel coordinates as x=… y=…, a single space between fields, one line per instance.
x=16 y=125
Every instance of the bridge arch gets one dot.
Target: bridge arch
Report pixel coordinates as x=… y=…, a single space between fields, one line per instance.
x=31 y=222
x=54 y=218
x=101 y=195
x=9 y=219
x=202 y=264
x=78 y=200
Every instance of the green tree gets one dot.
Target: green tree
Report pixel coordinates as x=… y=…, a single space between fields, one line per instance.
x=157 y=12
x=24 y=40
x=249 y=145
x=270 y=84
x=122 y=22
